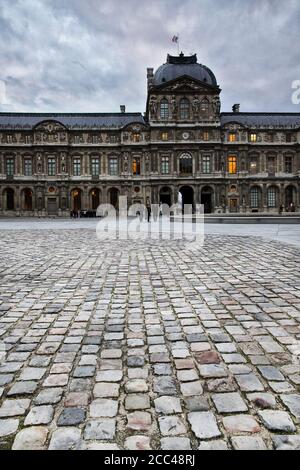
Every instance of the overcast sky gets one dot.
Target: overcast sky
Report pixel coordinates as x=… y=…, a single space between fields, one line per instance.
x=92 y=55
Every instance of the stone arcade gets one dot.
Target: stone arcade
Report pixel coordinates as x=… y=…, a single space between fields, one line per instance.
x=51 y=163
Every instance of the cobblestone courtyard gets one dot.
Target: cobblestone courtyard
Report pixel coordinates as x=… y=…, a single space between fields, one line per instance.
x=141 y=345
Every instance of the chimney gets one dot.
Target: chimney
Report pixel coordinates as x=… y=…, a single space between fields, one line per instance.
x=236 y=108
x=122 y=108
x=150 y=77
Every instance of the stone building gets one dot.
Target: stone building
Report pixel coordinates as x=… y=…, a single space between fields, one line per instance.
x=51 y=163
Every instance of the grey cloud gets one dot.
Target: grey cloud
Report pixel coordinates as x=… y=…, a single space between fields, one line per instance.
x=91 y=55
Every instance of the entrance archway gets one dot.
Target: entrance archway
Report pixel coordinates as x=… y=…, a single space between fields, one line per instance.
x=9 y=195
x=114 y=197
x=27 y=199
x=94 y=198
x=187 y=194
x=206 y=199
x=290 y=194
x=76 y=199
x=165 y=196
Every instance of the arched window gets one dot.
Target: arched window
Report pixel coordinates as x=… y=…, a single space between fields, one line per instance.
x=164 y=109
x=184 y=108
x=272 y=196
x=186 y=164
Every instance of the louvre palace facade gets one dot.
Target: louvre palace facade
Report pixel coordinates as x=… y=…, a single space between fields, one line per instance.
x=52 y=163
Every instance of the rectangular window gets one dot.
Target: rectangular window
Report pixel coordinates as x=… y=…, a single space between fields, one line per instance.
x=165 y=165
x=164 y=136
x=206 y=164
x=136 y=137
x=9 y=139
x=254 y=197
x=232 y=164
x=232 y=137
x=10 y=167
x=271 y=196
x=288 y=137
x=95 y=167
x=288 y=164
x=136 y=166
x=76 y=167
x=253 y=137
x=206 y=135
x=113 y=166
x=51 y=167
x=27 y=167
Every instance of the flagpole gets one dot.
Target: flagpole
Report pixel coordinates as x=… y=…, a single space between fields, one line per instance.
x=178 y=43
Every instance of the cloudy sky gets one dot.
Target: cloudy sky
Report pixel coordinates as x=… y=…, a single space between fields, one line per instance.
x=92 y=55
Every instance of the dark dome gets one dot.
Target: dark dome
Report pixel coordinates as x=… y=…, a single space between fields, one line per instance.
x=177 y=66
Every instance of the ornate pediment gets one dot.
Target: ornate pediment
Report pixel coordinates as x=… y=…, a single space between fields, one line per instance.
x=187 y=84
x=50 y=132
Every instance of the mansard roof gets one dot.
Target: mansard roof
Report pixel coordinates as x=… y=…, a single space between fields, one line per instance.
x=262 y=119
x=74 y=121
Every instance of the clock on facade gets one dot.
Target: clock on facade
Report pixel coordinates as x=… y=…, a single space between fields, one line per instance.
x=185 y=135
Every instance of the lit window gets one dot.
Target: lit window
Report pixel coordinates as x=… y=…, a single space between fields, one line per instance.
x=113 y=166
x=76 y=167
x=10 y=167
x=136 y=137
x=206 y=135
x=232 y=164
x=206 y=164
x=164 y=136
x=51 y=167
x=184 y=108
x=232 y=137
x=164 y=109
x=272 y=196
x=27 y=167
x=186 y=164
x=136 y=166
x=165 y=165
x=95 y=167
x=253 y=137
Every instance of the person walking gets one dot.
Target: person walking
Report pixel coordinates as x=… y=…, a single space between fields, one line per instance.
x=148 y=212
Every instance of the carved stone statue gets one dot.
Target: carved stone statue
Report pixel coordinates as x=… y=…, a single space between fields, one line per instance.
x=216 y=105
x=153 y=107
x=196 y=107
x=174 y=106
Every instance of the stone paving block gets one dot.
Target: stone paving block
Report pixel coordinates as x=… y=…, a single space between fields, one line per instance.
x=39 y=415
x=171 y=426
x=14 y=407
x=248 y=443
x=71 y=417
x=175 y=443
x=65 y=439
x=48 y=396
x=102 y=429
x=102 y=407
x=240 y=423
x=137 y=442
x=277 y=420
x=167 y=405
x=286 y=442
x=249 y=383
x=31 y=439
x=204 y=424
x=292 y=402
x=215 y=444
x=139 y=421
x=137 y=402
x=229 y=402
x=8 y=426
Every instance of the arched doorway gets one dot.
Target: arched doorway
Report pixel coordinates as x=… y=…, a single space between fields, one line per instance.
x=76 y=199
x=290 y=196
x=187 y=195
x=9 y=195
x=114 y=197
x=206 y=199
x=27 y=199
x=94 y=198
x=165 y=196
